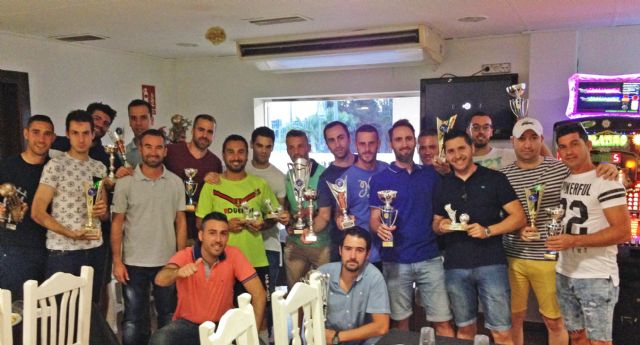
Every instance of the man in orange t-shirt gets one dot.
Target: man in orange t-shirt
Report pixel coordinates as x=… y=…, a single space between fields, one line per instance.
x=204 y=276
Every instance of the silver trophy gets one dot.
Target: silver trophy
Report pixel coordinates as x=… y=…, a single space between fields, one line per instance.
x=249 y=216
x=339 y=191
x=14 y=205
x=454 y=225
x=190 y=187
x=117 y=137
x=310 y=195
x=111 y=150
x=388 y=215
x=519 y=105
x=554 y=228
x=271 y=213
x=317 y=278
x=299 y=174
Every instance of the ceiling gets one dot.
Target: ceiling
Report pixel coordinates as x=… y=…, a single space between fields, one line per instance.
x=155 y=27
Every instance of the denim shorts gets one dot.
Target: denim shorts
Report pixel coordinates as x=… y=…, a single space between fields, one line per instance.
x=490 y=284
x=588 y=304
x=428 y=277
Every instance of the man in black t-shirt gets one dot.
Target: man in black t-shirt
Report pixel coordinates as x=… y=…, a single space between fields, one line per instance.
x=474 y=260
x=23 y=255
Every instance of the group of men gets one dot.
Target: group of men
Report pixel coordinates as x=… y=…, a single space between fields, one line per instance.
x=495 y=260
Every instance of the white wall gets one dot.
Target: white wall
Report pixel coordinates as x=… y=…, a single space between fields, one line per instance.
x=63 y=77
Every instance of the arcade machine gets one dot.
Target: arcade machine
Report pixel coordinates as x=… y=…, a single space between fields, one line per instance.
x=608 y=108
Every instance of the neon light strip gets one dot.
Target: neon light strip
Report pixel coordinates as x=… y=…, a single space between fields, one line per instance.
x=575 y=79
x=605 y=91
x=593 y=99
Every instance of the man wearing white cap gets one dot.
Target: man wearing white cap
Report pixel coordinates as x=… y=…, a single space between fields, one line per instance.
x=525 y=249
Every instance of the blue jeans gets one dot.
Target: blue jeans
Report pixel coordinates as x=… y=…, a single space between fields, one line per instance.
x=19 y=264
x=588 y=304
x=136 y=327
x=491 y=285
x=177 y=332
x=71 y=261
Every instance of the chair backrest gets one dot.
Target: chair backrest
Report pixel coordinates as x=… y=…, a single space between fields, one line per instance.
x=307 y=297
x=238 y=324
x=60 y=308
x=6 y=337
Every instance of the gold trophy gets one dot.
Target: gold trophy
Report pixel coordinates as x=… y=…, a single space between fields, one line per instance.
x=554 y=228
x=388 y=215
x=92 y=195
x=443 y=126
x=271 y=213
x=117 y=137
x=454 y=225
x=339 y=191
x=111 y=150
x=310 y=195
x=190 y=187
x=15 y=207
x=533 y=195
x=299 y=173
x=519 y=105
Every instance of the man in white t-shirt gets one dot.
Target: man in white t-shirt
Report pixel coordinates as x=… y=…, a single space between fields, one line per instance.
x=596 y=220
x=481 y=130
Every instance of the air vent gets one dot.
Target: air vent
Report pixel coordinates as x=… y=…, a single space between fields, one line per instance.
x=79 y=38
x=280 y=20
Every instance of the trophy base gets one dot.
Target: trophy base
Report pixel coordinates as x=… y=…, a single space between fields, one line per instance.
x=91 y=230
x=456 y=227
x=9 y=226
x=551 y=256
x=535 y=236
x=348 y=223
x=387 y=244
x=311 y=238
x=190 y=208
x=298 y=231
x=273 y=215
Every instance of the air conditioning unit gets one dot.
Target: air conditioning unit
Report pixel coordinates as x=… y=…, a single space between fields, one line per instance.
x=393 y=46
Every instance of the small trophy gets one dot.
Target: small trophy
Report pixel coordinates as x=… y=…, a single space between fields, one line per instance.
x=310 y=195
x=190 y=187
x=249 y=216
x=443 y=126
x=92 y=195
x=534 y=198
x=554 y=228
x=111 y=150
x=117 y=137
x=339 y=191
x=455 y=226
x=15 y=207
x=299 y=172
x=388 y=215
x=271 y=214
x=519 y=105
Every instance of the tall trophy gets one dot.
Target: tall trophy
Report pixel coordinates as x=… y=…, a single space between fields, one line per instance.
x=111 y=150
x=388 y=215
x=299 y=173
x=14 y=205
x=310 y=195
x=443 y=126
x=190 y=187
x=117 y=137
x=533 y=195
x=519 y=105
x=320 y=280
x=554 y=228
x=271 y=213
x=454 y=225
x=339 y=191
x=92 y=192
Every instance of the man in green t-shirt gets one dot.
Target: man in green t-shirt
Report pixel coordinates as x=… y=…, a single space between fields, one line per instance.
x=241 y=197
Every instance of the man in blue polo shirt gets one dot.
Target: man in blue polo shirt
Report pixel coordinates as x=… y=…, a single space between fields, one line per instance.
x=475 y=263
x=358 y=302
x=414 y=257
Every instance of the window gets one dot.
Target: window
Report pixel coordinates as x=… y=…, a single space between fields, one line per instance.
x=312 y=114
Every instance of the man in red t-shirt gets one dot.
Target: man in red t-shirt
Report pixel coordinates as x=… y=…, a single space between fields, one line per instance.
x=204 y=276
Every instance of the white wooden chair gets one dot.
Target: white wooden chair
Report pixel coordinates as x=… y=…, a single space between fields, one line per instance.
x=6 y=337
x=238 y=324
x=307 y=297
x=60 y=308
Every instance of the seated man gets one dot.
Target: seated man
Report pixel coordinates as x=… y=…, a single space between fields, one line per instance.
x=201 y=298
x=358 y=302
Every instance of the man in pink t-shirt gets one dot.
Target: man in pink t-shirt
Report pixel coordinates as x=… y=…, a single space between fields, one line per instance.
x=204 y=276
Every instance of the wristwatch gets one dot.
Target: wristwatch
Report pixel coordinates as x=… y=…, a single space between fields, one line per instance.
x=336 y=339
x=487 y=231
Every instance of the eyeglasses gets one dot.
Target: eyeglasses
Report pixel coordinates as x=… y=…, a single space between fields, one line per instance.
x=478 y=128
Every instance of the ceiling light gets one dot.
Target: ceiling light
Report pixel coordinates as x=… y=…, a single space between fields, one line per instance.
x=472 y=19
x=215 y=35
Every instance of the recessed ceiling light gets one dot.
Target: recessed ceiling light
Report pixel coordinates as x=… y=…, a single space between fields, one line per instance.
x=186 y=45
x=472 y=19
